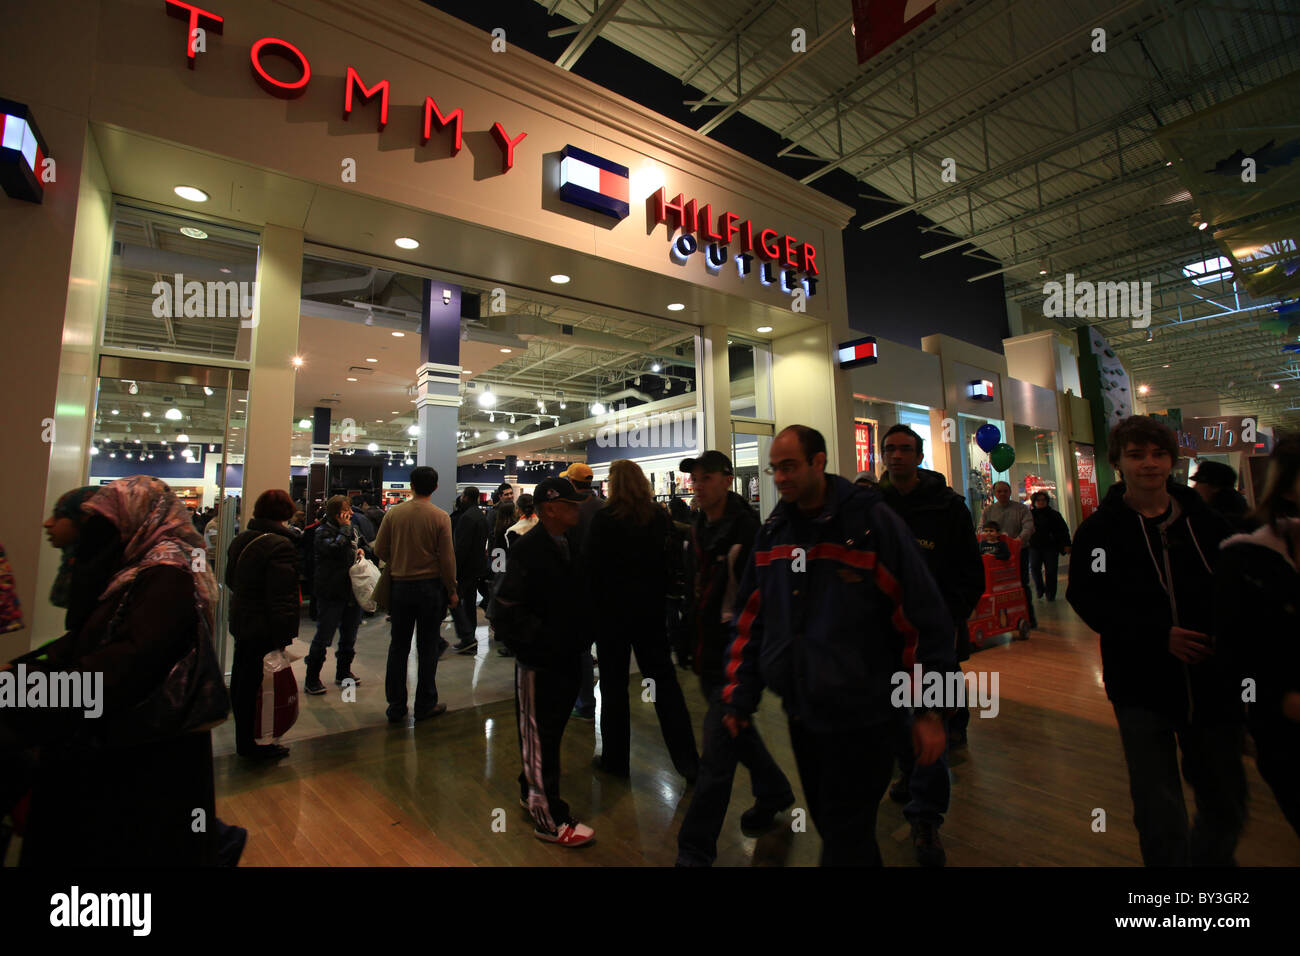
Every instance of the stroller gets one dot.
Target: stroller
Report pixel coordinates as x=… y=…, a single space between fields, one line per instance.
x=1002 y=606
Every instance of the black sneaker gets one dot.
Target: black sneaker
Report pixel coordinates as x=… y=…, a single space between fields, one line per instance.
x=505 y=651
x=347 y=675
x=466 y=647
x=313 y=685
x=900 y=792
x=762 y=816
x=928 y=846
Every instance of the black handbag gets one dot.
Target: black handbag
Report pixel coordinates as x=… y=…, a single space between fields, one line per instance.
x=192 y=698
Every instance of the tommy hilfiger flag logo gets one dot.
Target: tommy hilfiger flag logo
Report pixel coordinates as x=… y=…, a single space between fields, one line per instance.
x=981 y=390
x=593 y=182
x=23 y=153
x=858 y=352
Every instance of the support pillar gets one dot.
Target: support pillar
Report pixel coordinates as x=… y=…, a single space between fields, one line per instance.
x=268 y=445
x=714 y=373
x=438 y=380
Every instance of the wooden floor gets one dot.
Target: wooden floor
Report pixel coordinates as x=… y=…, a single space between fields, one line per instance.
x=444 y=792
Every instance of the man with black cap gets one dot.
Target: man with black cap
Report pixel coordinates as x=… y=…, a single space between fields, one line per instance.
x=584 y=708
x=1216 y=483
x=539 y=611
x=724 y=530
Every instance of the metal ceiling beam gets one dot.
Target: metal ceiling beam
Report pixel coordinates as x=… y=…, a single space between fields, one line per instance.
x=724 y=42
x=587 y=35
x=832 y=32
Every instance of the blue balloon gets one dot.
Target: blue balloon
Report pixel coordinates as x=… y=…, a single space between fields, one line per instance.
x=988 y=437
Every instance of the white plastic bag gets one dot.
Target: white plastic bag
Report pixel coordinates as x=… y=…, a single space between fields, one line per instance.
x=365 y=576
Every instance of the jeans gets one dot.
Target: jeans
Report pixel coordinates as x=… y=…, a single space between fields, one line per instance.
x=543 y=700
x=416 y=606
x=697 y=841
x=1211 y=764
x=929 y=785
x=651 y=647
x=844 y=775
x=1038 y=562
x=345 y=617
x=464 y=616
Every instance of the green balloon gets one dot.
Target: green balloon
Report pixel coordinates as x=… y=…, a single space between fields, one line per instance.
x=1002 y=456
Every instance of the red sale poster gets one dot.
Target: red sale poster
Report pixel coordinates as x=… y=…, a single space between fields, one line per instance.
x=1086 y=464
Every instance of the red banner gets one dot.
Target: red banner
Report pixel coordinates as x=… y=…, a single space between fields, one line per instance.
x=1087 y=468
x=878 y=23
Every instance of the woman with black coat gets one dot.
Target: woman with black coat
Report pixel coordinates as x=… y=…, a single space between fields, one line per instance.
x=1050 y=540
x=262 y=571
x=137 y=607
x=628 y=563
x=1257 y=625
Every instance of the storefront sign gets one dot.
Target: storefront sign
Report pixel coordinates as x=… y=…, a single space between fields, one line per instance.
x=1225 y=433
x=980 y=390
x=593 y=182
x=24 y=158
x=200 y=22
x=858 y=352
x=781 y=258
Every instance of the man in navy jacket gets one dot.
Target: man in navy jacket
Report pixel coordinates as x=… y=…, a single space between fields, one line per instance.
x=835 y=602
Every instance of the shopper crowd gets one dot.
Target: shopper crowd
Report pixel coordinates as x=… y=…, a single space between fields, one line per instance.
x=842 y=588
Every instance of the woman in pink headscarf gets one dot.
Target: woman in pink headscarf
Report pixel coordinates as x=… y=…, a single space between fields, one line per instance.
x=139 y=602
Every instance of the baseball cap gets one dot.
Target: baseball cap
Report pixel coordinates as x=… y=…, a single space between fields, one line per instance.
x=1217 y=474
x=577 y=472
x=712 y=461
x=558 y=489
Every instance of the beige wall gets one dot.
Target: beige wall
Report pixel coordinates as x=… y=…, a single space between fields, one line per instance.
x=41 y=270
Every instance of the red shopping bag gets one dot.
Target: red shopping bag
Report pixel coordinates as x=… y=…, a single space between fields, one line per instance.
x=279 y=699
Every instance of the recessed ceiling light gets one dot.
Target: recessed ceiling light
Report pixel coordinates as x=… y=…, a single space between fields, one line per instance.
x=192 y=193
x=559 y=278
x=467 y=371
x=406 y=243
x=399 y=335
x=148 y=414
x=114 y=412
x=505 y=351
x=765 y=328
x=173 y=414
x=379 y=421
x=241 y=399
x=305 y=423
x=372 y=360
x=675 y=307
x=182 y=437
x=193 y=233
x=297 y=361
x=351 y=379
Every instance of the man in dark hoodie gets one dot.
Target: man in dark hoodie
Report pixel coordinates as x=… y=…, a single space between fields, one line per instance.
x=1141 y=576
x=941 y=524
x=724 y=530
x=469 y=533
x=835 y=606
x=1216 y=483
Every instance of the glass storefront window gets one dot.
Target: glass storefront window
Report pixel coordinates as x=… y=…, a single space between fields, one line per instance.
x=1035 y=465
x=977 y=473
x=879 y=417
x=180 y=286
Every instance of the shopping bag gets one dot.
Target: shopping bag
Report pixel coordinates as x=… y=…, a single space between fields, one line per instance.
x=277 y=705
x=365 y=577
x=384 y=589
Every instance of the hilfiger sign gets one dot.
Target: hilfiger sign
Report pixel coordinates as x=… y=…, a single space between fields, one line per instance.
x=781 y=259
x=201 y=22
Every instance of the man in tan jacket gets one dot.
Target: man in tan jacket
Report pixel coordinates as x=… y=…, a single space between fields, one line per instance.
x=415 y=540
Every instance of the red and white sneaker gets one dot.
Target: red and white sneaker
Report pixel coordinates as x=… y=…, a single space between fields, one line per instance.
x=569 y=834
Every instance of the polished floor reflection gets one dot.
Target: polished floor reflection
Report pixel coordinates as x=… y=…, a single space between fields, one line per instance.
x=356 y=791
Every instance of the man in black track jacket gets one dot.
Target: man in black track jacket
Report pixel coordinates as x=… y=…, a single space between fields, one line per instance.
x=1141 y=576
x=834 y=609
x=724 y=530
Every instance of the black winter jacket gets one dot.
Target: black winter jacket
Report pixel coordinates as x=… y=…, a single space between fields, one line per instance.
x=830 y=608
x=336 y=551
x=943 y=528
x=539 y=603
x=714 y=542
x=469 y=534
x=1129 y=605
x=1257 y=616
x=262 y=571
x=627 y=565
x=1051 y=533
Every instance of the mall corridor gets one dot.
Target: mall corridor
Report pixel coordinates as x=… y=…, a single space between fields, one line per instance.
x=357 y=792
